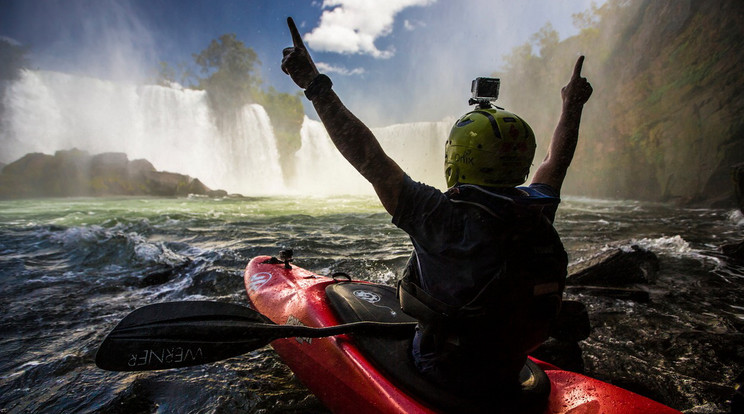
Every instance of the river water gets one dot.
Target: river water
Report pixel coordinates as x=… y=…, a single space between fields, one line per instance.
x=70 y=269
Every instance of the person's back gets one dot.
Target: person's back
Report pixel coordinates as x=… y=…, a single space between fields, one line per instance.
x=484 y=280
x=488 y=268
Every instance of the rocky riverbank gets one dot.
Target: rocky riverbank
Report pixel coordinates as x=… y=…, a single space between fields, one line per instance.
x=76 y=173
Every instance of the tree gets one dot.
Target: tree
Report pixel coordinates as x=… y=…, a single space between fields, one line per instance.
x=168 y=75
x=12 y=59
x=230 y=77
x=546 y=39
x=232 y=80
x=587 y=19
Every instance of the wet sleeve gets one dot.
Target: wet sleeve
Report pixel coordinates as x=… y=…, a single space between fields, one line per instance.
x=549 y=191
x=426 y=215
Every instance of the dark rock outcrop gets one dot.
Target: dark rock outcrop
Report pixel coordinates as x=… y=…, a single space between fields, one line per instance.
x=737 y=175
x=616 y=267
x=734 y=251
x=618 y=273
x=76 y=173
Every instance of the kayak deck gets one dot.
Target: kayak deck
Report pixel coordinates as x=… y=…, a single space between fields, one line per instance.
x=341 y=375
x=391 y=355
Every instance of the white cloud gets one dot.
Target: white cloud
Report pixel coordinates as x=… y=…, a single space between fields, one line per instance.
x=328 y=68
x=10 y=41
x=352 y=26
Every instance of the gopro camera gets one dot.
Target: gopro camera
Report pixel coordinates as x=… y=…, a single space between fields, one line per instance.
x=485 y=89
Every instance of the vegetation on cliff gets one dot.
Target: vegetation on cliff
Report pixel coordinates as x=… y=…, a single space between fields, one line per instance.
x=287 y=114
x=230 y=70
x=663 y=123
x=77 y=173
x=229 y=75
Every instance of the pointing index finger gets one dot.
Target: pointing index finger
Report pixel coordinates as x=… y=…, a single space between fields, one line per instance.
x=296 y=38
x=577 y=68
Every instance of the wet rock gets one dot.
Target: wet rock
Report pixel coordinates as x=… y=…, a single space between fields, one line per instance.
x=169 y=184
x=156 y=278
x=109 y=163
x=159 y=277
x=734 y=251
x=618 y=267
x=135 y=398
x=737 y=174
x=77 y=173
x=138 y=168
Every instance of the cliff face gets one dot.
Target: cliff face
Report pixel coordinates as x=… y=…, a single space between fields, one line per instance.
x=77 y=173
x=665 y=120
x=684 y=97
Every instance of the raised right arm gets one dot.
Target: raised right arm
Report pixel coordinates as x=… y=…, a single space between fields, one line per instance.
x=352 y=138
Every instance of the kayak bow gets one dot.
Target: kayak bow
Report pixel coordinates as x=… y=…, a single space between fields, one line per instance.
x=371 y=374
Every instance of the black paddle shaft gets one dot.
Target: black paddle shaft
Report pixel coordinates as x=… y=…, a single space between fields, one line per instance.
x=182 y=334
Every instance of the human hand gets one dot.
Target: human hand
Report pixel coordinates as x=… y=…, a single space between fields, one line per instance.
x=297 y=62
x=578 y=90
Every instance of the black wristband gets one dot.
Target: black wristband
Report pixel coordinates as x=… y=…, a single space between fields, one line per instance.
x=320 y=85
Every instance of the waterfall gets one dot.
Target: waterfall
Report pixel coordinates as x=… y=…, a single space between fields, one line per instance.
x=170 y=127
x=320 y=167
x=417 y=147
x=174 y=129
x=250 y=160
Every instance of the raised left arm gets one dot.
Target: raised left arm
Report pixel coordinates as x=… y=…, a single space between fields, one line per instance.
x=553 y=169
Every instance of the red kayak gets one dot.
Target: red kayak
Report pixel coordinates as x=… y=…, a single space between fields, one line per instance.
x=374 y=374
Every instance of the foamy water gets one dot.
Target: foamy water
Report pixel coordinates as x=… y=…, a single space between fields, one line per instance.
x=72 y=268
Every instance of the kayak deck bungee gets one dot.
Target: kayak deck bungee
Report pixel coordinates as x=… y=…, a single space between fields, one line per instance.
x=374 y=373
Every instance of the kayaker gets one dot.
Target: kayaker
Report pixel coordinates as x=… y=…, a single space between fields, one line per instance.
x=488 y=269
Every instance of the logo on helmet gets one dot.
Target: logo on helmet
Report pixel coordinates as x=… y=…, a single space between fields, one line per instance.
x=464 y=158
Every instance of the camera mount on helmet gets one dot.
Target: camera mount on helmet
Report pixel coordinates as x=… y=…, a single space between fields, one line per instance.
x=485 y=91
x=488 y=146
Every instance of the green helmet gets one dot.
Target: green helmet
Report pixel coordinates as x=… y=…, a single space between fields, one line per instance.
x=489 y=147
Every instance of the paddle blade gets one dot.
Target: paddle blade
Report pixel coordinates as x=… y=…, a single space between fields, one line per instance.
x=182 y=334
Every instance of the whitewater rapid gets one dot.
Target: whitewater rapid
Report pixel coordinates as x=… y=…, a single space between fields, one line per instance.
x=73 y=267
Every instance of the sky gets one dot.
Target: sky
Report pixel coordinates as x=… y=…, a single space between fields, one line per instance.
x=391 y=61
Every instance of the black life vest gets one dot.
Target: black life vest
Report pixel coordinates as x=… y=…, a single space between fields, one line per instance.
x=514 y=309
